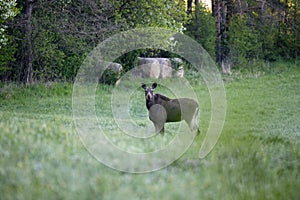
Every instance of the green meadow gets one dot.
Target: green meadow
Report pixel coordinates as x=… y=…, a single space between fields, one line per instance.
x=256 y=157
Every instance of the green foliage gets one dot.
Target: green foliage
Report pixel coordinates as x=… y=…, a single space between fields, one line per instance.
x=268 y=37
x=8 y=10
x=243 y=41
x=7 y=56
x=109 y=77
x=65 y=31
x=157 y=13
x=53 y=58
x=49 y=58
x=202 y=28
x=59 y=41
x=58 y=54
x=266 y=31
x=130 y=60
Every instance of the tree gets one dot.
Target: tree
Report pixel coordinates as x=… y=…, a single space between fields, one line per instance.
x=72 y=29
x=49 y=39
x=202 y=28
x=220 y=11
x=243 y=41
x=143 y=13
x=8 y=10
x=53 y=37
x=189 y=6
x=256 y=29
x=28 y=42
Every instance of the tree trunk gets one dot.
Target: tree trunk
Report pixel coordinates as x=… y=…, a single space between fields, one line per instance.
x=28 y=60
x=189 y=6
x=214 y=7
x=219 y=32
x=220 y=10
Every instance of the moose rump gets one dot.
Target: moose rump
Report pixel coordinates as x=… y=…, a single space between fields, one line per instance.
x=163 y=109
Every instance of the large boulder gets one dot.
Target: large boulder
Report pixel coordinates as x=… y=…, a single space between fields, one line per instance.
x=147 y=68
x=115 y=67
x=158 y=68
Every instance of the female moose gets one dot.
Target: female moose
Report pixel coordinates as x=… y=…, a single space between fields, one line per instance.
x=163 y=109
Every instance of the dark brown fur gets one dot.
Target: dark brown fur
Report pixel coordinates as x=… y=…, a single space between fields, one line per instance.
x=163 y=109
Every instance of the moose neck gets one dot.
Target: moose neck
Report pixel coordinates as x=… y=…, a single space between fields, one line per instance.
x=156 y=99
x=150 y=102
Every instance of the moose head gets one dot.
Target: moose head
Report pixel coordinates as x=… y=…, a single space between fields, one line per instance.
x=149 y=91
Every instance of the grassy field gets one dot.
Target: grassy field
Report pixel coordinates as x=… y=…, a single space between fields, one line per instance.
x=256 y=157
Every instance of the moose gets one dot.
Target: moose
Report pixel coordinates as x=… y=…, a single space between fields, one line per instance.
x=163 y=109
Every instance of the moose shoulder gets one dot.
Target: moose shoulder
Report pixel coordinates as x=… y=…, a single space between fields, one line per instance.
x=163 y=109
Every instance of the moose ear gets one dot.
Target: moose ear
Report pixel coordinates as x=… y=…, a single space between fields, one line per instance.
x=144 y=85
x=154 y=85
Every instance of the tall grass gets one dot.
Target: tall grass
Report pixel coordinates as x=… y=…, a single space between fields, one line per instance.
x=256 y=157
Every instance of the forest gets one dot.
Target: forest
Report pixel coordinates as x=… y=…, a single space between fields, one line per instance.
x=47 y=40
x=66 y=136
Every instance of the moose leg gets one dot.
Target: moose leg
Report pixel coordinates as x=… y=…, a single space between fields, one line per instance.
x=159 y=128
x=192 y=121
x=193 y=126
x=158 y=116
x=162 y=131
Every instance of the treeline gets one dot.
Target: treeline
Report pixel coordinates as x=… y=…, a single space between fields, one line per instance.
x=47 y=40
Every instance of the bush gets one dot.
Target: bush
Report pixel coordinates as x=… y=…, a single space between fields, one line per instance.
x=243 y=42
x=202 y=28
x=109 y=77
x=6 y=56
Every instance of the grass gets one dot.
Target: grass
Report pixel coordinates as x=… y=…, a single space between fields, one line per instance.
x=256 y=157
